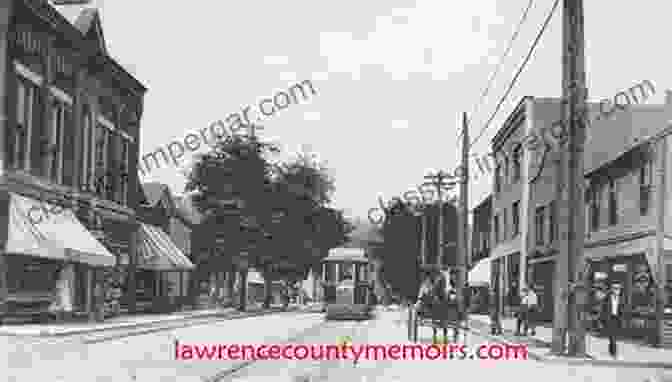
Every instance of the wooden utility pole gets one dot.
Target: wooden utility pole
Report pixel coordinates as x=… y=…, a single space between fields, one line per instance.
x=439 y=180
x=660 y=151
x=463 y=239
x=570 y=288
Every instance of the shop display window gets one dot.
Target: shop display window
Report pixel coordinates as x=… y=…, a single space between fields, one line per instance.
x=31 y=274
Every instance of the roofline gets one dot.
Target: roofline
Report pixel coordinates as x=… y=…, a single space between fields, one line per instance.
x=661 y=134
x=505 y=130
x=48 y=13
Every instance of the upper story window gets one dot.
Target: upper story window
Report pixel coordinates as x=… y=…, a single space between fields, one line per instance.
x=539 y=217
x=517 y=158
x=498 y=179
x=495 y=228
x=504 y=231
x=100 y=159
x=28 y=113
x=553 y=221
x=595 y=199
x=613 y=202
x=505 y=176
x=645 y=186
x=87 y=148
x=515 y=214
x=54 y=151
x=123 y=170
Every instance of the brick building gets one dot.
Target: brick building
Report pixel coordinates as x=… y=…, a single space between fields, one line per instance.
x=525 y=215
x=69 y=132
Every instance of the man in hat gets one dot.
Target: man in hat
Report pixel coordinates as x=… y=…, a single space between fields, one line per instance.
x=612 y=312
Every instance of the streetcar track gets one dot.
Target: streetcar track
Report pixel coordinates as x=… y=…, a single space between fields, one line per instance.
x=93 y=339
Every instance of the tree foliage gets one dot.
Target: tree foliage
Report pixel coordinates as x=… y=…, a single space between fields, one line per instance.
x=401 y=249
x=281 y=216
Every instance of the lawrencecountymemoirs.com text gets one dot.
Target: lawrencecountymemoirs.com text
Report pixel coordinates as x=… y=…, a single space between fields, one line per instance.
x=358 y=352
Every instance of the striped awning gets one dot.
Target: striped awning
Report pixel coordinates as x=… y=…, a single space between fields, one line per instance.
x=44 y=230
x=158 y=252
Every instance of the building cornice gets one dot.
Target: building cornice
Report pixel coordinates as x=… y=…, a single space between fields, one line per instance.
x=512 y=122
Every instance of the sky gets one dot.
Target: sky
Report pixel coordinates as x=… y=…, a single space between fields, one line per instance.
x=392 y=77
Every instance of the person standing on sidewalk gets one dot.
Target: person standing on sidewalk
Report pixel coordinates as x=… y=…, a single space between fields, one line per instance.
x=530 y=305
x=495 y=313
x=612 y=311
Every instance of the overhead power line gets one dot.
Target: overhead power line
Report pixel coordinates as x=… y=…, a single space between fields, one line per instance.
x=494 y=74
x=520 y=70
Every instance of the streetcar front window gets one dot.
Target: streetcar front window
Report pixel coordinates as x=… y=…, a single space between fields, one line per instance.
x=345 y=271
x=331 y=272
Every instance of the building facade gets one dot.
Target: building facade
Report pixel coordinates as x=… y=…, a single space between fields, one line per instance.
x=621 y=207
x=481 y=230
x=525 y=228
x=69 y=133
x=163 y=269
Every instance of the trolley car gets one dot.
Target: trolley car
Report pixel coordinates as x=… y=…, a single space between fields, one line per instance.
x=346 y=283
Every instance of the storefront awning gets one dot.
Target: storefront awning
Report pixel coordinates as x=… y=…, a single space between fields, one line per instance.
x=158 y=252
x=57 y=234
x=645 y=245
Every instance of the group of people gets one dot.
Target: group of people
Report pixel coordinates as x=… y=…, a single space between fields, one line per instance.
x=611 y=310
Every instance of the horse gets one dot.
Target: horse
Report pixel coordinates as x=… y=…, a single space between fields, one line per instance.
x=436 y=296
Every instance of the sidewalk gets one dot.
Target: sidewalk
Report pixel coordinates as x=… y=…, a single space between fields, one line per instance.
x=127 y=322
x=631 y=354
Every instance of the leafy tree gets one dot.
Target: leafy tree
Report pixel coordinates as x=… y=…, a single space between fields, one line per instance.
x=401 y=249
x=231 y=183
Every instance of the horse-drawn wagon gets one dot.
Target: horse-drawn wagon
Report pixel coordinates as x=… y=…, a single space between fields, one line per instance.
x=437 y=306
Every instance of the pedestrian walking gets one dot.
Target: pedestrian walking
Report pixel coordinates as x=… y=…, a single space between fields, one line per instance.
x=612 y=312
x=530 y=305
x=495 y=312
x=514 y=300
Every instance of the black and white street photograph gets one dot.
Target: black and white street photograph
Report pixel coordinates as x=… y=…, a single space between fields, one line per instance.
x=313 y=191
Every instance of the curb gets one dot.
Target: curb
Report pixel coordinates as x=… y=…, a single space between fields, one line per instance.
x=133 y=325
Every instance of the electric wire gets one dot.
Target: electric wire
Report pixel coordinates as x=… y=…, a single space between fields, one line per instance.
x=520 y=70
x=494 y=74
